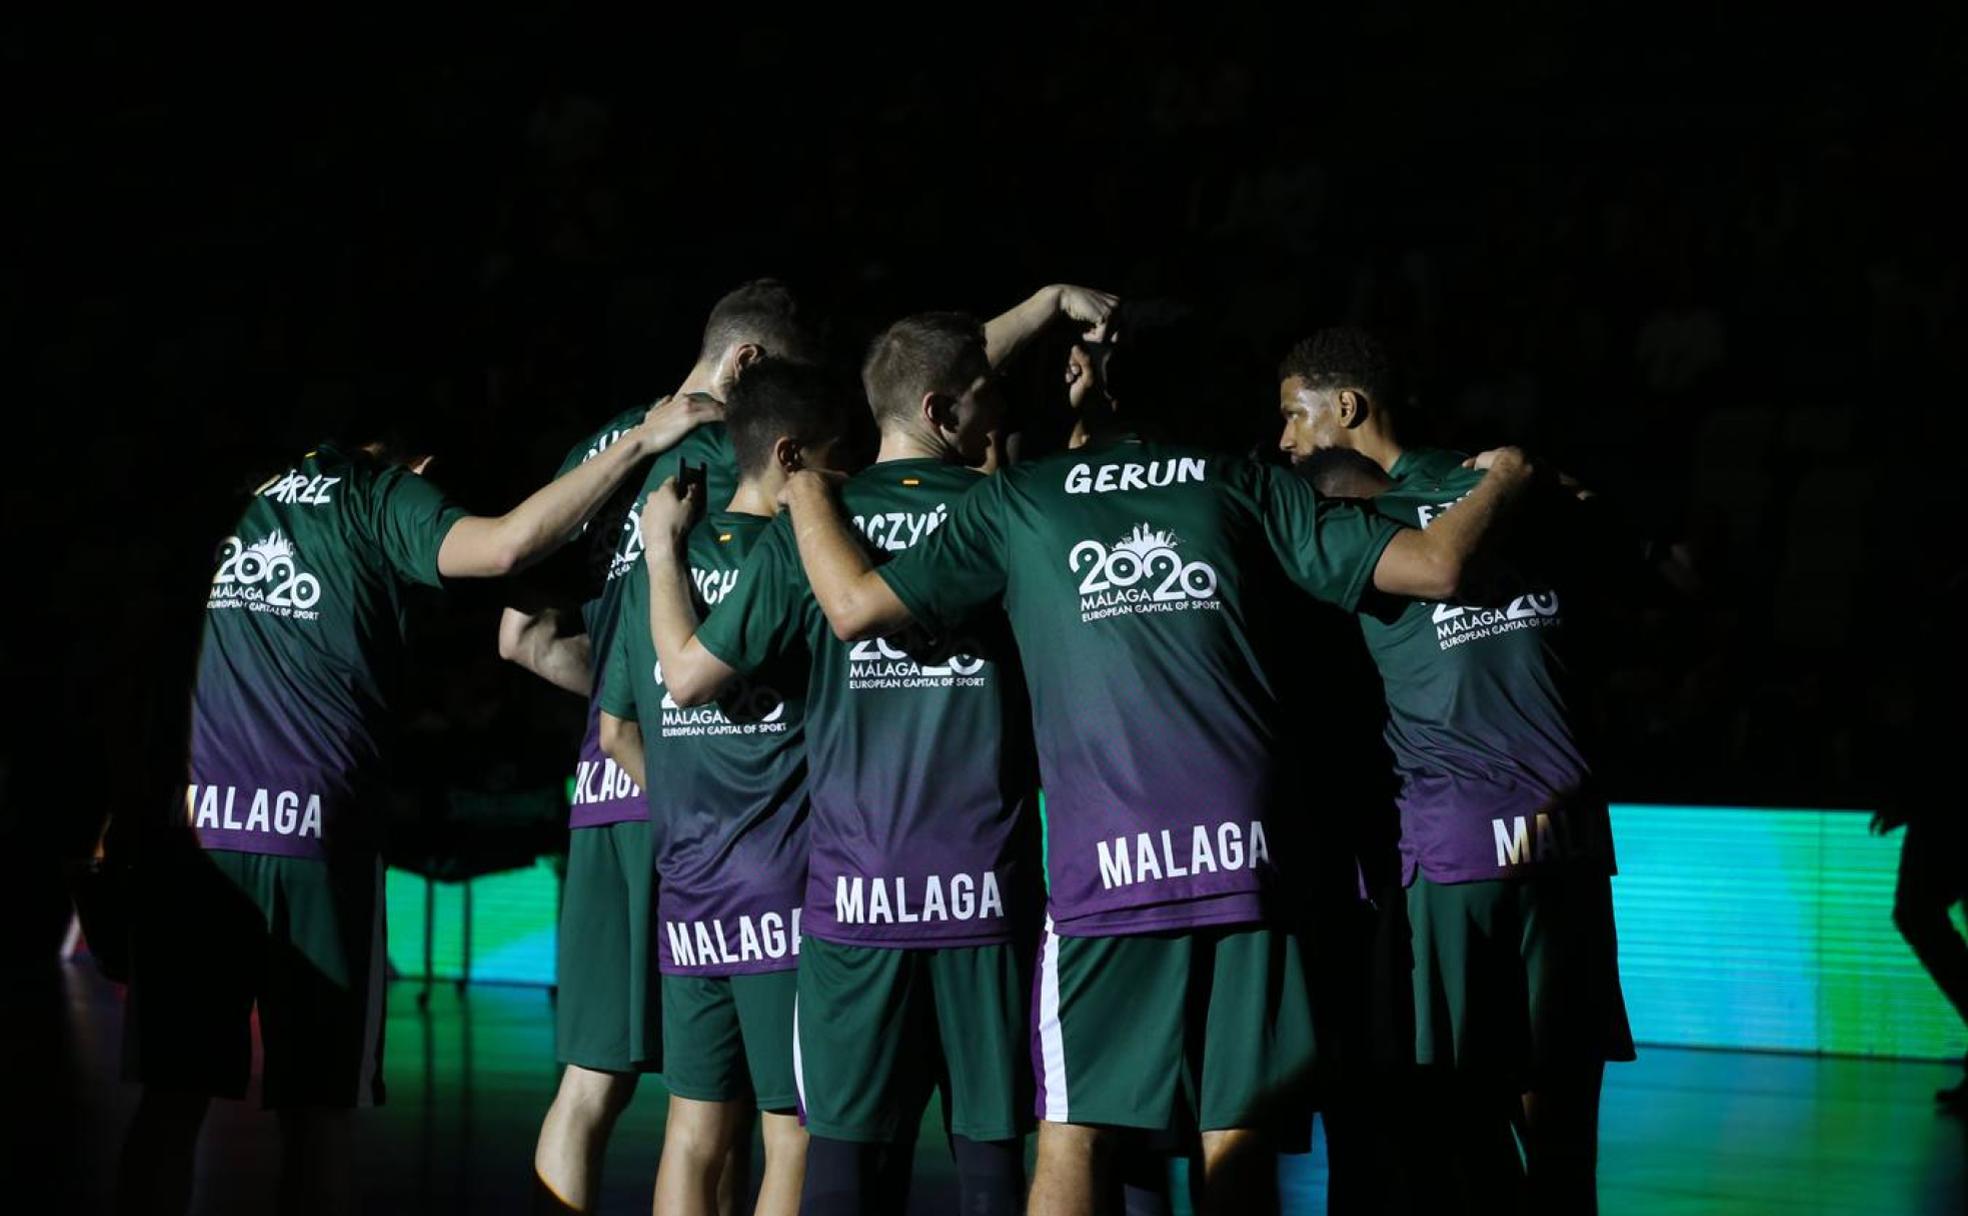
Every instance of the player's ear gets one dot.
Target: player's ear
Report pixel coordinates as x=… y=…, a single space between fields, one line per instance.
x=940 y=411
x=787 y=455
x=1351 y=409
x=735 y=361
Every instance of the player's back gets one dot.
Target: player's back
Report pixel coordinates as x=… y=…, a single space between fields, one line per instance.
x=1140 y=580
x=1484 y=700
x=609 y=547
x=729 y=780
x=603 y=792
x=301 y=654
x=923 y=776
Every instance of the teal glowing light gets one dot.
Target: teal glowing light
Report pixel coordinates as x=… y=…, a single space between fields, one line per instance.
x=1769 y=929
x=514 y=916
x=1739 y=928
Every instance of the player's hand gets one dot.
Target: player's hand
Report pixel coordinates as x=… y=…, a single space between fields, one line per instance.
x=809 y=481
x=670 y=419
x=1499 y=458
x=1088 y=307
x=1079 y=375
x=669 y=513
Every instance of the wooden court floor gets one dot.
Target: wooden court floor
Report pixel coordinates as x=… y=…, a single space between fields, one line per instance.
x=1716 y=1133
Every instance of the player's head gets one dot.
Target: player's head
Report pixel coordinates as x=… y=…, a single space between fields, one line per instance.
x=1086 y=369
x=1334 y=388
x=785 y=416
x=1344 y=473
x=1152 y=371
x=751 y=322
x=388 y=420
x=927 y=376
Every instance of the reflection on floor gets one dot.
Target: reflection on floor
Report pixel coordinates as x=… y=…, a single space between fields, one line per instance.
x=1715 y=1133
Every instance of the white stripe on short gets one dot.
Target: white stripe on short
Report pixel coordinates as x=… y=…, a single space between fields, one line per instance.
x=799 y=1072
x=1052 y=1043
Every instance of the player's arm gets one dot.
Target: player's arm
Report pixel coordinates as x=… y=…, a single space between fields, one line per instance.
x=857 y=601
x=618 y=726
x=621 y=741
x=534 y=641
x=490 y=546
x=1009 y=330
x=1434 y=564
x=691 y=674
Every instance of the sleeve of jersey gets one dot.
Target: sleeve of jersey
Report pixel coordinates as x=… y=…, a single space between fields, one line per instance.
x=618 y=696
x=958 y=568
x=409 y=518
x=762 y=615
x=1328 y=547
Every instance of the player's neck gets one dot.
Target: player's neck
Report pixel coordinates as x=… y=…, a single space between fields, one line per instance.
x=1380 y=447
x=907 y=445
x=1096 y=427
x=702 y=379
x=754 y=497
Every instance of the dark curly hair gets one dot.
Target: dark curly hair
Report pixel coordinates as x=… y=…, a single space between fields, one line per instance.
x=1342 y=356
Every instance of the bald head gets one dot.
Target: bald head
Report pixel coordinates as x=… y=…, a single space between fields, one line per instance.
x=1344 y=473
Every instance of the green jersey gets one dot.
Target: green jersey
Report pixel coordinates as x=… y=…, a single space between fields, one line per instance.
x=1483 y=713
x=302 y=652
x=729 y=799
x=611 y=544
x=924 y=781
x=1141 y=581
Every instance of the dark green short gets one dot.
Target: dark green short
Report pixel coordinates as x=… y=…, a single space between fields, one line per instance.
x=218 y=934
x=1518 y=976
x=730 y=1038
x=879 y=1029
x=608 y=1014
x=1209 y=1028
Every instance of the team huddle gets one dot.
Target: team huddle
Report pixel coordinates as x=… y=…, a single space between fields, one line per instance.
x=953 y=775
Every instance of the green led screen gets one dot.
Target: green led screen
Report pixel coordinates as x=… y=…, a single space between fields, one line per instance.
x=513 y=919
x=1740 y=928
x=1769 y=929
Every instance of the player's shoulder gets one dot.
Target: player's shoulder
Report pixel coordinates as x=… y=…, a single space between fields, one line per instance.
x=707 y=441
x=776 y=540
x=603 y=437
x=329 y=474
x=726 y=537
x=343 y=459
x=329 y=497
x=1424 y=467
x=708 y=444
x=910 y=478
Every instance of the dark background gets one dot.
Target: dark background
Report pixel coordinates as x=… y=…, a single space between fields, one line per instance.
x=1707 y=258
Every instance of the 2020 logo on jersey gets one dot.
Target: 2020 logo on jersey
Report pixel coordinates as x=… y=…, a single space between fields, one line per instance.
x=1459 y=623
x=879 y=663
x=1456 y=624
x=628 y=549
x=1140 y=573
x=265 y=576
x=746 y=708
